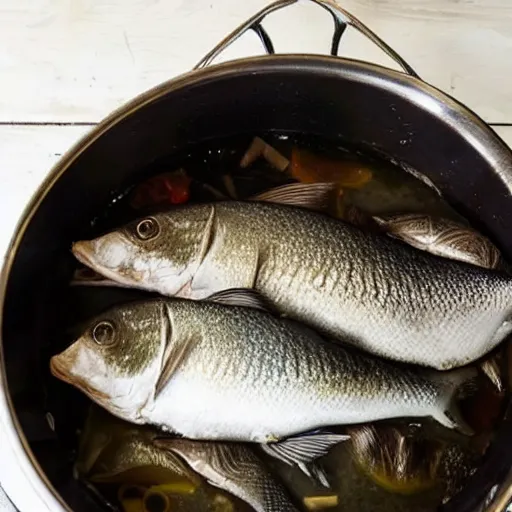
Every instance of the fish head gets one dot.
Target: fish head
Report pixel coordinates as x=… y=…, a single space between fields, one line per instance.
x=197 y=454
x=116 y=361
x=159 y=253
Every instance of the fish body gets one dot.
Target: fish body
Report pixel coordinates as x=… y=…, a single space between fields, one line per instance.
x=216 y=372
x=455 y=466
x=364 y=288
x=112 y=450
x=235 y=468
x=442 y=237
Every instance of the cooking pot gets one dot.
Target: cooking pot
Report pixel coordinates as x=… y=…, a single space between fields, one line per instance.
x=393 y=114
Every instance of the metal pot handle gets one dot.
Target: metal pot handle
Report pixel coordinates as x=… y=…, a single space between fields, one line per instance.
x=341 y=18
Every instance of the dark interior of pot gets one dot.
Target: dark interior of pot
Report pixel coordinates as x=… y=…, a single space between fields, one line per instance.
x=382 y=113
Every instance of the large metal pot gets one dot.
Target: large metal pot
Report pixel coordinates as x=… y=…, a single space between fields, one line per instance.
x=389 y=112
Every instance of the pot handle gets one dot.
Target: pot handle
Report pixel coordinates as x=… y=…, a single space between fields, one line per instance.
x=341 y=18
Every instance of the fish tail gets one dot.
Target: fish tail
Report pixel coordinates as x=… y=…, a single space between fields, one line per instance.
x=453 y=385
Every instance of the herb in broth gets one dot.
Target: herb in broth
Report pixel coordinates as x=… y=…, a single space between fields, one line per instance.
x=418 y=466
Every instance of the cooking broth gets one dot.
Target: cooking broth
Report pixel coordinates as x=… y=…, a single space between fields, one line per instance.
x=211 y=172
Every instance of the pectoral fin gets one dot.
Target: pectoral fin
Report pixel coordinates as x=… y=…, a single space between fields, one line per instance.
x=175 y=354
x=303 y=450
x=173 y=359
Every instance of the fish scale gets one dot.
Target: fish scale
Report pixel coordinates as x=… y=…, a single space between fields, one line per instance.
x=242 y=374
x=385 y=281
x=235 y=468
x=368 y=289
x=236 y=373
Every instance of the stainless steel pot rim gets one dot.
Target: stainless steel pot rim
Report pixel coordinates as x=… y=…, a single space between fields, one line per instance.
x=37 y=492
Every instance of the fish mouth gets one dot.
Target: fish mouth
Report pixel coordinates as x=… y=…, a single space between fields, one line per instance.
x=58 y=370
x=83 y=251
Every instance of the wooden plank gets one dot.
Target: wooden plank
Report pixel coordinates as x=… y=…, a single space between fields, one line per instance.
x=66 y=61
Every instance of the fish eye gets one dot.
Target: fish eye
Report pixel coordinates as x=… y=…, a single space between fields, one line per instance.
x=104 y=333
x=147 y=229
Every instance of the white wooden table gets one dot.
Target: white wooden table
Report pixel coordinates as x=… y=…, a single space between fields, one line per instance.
x=65 y=64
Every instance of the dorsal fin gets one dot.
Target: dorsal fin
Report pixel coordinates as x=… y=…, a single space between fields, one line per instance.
x=314 y=196
x=245 y=297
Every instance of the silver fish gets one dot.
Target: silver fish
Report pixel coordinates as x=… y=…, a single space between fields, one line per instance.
x=442 y=237
x=448 y=239
x=235 y=468
x=386 y=298
x=212 y=371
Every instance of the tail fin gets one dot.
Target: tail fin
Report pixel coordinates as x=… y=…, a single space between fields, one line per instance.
x=453 y=385
x=492 y=370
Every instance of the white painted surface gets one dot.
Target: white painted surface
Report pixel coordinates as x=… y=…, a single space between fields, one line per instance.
x=73 y=61
x=505 y=132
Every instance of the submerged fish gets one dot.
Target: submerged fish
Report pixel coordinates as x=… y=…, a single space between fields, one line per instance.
x=386 y=298
x=443 y=237
x=233 y=467
x=112 y=450
x=212 y=371
x=407 y=463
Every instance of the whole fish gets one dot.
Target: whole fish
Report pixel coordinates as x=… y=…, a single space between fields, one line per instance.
x=112 y=450
x=439 y=236
x=368 y=289
x=212 y=370
x=235 y=468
